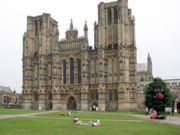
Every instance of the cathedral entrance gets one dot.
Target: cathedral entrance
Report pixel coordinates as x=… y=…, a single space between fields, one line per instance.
x=50 y=106
x=71 y=105
x=94 y=107
x=178 y=108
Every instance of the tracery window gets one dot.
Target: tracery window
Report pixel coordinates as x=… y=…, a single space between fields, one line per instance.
x=110 y=96
x=116 y=95
x=50 y=96
x=97 y=96
x=64 y=71
x=71 y=71
x=36 y=97
x=92 y=95
x=79 y=71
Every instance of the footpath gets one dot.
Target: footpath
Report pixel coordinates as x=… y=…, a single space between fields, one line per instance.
x=170 y=119
x=23 y=115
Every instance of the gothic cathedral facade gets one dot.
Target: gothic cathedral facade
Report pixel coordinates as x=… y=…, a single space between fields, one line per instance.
x=69 y=74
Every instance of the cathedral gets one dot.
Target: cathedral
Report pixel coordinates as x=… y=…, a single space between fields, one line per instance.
x=71 y=75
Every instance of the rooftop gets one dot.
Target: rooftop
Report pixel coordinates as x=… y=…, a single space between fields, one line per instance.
x=142 y=67
x=5 y=89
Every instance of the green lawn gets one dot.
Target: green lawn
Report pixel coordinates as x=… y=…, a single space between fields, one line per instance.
x=16 y=111
x=91 y=115
x=129 y=112
x=112 y=123
x=51 y=126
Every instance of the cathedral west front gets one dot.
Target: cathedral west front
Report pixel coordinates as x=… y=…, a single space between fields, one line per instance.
x=71 y=75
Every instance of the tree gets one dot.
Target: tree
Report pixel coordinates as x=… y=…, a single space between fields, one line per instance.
x=157 y=95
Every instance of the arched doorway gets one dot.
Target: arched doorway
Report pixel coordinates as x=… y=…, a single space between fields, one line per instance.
x=50 y=106
x=94 y=106
x=71 y=104
x=178 y=107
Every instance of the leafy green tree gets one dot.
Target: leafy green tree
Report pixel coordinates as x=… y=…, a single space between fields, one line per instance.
x=157 y=95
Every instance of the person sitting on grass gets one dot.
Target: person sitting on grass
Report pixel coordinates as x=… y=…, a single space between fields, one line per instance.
x=69 y=114
x=154 y=114
x=78 y=122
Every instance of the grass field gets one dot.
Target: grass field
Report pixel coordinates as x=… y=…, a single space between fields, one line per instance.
x=111 y=124
x=16 y=111
x=38 y=126
x=93 y=115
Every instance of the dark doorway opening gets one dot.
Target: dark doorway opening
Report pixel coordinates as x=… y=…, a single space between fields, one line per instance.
x=95 y=107
x=71 y=105
x=50 y=106
x=178 y=108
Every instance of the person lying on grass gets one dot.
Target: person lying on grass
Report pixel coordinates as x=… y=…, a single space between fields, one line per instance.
x=78 y=122
x=90 y=123
x=94 y=124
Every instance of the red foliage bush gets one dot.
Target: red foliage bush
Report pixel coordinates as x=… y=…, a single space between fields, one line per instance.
x=159 y=96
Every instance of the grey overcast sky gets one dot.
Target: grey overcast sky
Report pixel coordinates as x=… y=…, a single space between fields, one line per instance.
x=157 y=32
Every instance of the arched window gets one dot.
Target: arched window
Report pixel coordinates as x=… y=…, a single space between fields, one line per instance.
x=110 y=96
x=115 y=16
x=92 y=95
x=64 y=71
x=115 y=46
x=142 y=79
x=36 y=97
x=109 y=16
x=97 y=96
x=79 y=71
x=40 y=23
x=109 y=46
x=116 y=95
x=50 y=96
x=71 y=71
x=36 y=28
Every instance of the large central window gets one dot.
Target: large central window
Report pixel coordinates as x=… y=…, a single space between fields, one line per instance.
x=64 y=71
x=79 y=71
x=71 y=71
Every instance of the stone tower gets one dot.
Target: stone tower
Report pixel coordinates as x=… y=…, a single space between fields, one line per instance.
x=40 y=40
x=149 y=62
x=116 y=30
